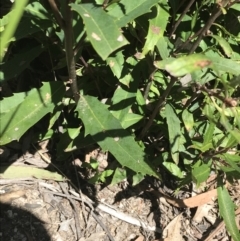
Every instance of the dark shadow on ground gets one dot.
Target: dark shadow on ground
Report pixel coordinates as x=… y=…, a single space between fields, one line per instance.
x=18 y=224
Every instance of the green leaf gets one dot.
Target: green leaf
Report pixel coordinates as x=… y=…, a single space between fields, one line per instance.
x=116 y=64
x=118 y=176
x=122 y=100
x=34 y=25
x=226 y=207
x=8 y=103
x=20 y=62
x=224 y=44
x=188 y=64
x=157 y=26
x=12 y=172
x=105 y=174
x=174 y=169
x=130 y=119
x=108 y=132
x=104 y=38
x=132 y=10
x=174 y=130
x=36 y=9
x=188 y=120
x=222 y=65
x=208 y=136
x=232 y=160
x=37 y=104
x=137 y=178
x=162 y=46
x=200 y=173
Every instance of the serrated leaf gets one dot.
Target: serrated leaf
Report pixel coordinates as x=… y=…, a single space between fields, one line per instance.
x=107 y=131
x=104 y=38
x=28 y=172
x=201 y=173
x=132 y=10
x=20 y=62
x=226 y=207
x=188 y=64
x=157 y=26
x=36 y=105
x=174 y=131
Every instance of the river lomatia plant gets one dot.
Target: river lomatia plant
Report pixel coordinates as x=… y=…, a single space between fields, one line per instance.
x=155 y=83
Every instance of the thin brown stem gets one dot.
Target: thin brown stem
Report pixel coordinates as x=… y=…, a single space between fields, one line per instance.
x=181 y=17
x=157 y=108
x=217 y=12
x=57 y=14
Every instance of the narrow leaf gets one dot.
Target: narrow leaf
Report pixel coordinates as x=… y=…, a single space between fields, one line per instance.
x=108 y=132
x=227 y=212
x=104 y=38
x=174 y=130
x=208 y=135
x=188 y=64
x=225 y=65
x=28 y=172
x=224 y=44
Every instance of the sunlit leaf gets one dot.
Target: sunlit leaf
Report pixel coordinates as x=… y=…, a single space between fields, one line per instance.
x=104 y=38
x=226 y=207
x=36 y=105
x=107 y=131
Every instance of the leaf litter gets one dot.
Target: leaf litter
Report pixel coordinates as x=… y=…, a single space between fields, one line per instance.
x=122 y=211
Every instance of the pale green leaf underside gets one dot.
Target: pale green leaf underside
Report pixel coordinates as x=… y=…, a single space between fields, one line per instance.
x=108 y=132
x=11 y=172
